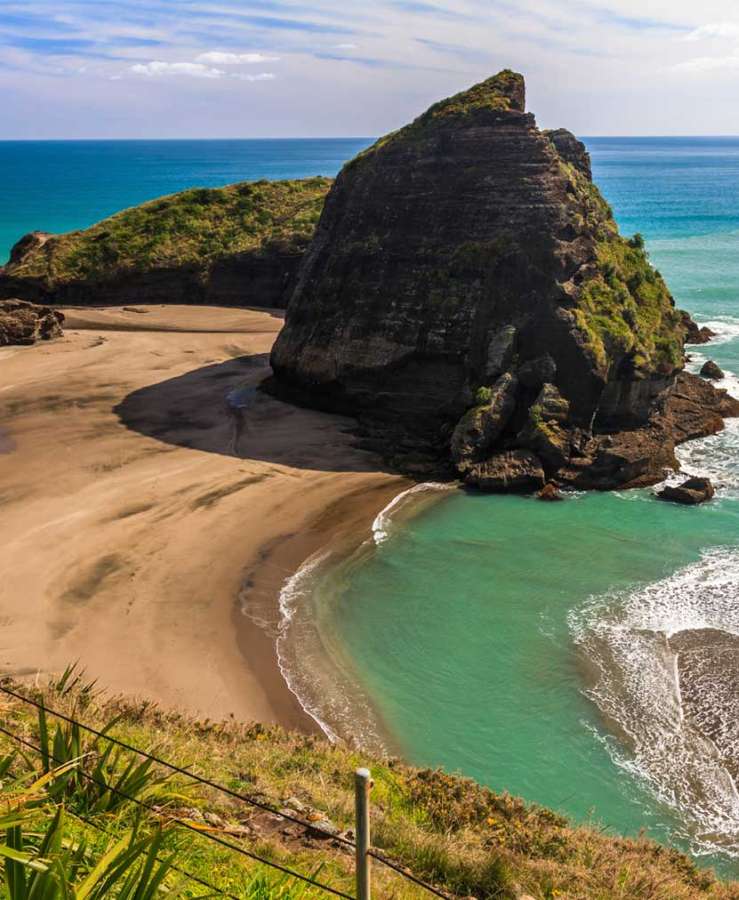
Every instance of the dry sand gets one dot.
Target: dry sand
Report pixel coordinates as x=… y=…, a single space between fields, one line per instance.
x=138 y=513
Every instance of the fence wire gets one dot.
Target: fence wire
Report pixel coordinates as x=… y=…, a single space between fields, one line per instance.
x=237 y=795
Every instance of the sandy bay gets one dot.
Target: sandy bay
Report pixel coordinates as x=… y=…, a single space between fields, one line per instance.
x=140 y=516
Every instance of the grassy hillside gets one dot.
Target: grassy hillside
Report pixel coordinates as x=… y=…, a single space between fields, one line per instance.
x=194 y=227
x=462 y=837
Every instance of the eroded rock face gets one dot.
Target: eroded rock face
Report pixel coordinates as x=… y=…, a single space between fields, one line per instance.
x=480 y=427
x=467 y=248
x=26 y=323
x=512 y=471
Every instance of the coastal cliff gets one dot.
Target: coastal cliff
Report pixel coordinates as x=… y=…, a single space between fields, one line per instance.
x=239 y=245
x=468 y=297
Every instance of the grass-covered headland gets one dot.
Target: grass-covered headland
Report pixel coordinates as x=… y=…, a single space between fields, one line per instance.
x=238 y=244
x=85 y=818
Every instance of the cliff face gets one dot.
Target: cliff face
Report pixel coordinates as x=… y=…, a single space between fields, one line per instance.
x=235 y=246
x=468 y=296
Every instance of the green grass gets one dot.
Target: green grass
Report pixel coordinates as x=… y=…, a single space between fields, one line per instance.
x=192 y=228
x=463 y=837
x=624 y=307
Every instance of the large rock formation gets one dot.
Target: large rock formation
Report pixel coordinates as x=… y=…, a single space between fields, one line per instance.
x=467 y=295
x=235 y=246
x=26 y=323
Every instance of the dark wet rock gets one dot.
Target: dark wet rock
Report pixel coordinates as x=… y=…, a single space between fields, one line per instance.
x=695 y=334
x=470 y=246
x=691 y=492
x=512 y=471
x=539 y=371
x=711 y=370
x=26 y=323
x=500 y=352
x=550 y=493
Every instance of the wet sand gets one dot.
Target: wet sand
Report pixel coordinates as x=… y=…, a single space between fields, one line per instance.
x=708 y=669
x=139 y=511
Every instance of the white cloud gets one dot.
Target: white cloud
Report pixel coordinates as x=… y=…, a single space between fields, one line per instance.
x=714 y=30
x=346 y=46
x=217 y=58
x=263 y=76
x=193 y=70
x=709 y=63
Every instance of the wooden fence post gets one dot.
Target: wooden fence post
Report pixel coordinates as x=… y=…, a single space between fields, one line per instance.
x=362 y=785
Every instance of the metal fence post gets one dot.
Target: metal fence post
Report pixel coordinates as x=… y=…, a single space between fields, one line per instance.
x=362 y=785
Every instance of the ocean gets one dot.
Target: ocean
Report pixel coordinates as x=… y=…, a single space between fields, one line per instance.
x=64 y=185
x=529 y=645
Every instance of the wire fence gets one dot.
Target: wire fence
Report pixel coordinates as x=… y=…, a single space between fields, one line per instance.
x=310 y=827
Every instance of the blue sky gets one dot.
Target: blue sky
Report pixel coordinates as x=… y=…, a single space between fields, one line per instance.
x=264 y=68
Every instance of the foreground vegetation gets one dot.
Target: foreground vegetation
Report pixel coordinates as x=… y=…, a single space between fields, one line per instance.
x=66 y=822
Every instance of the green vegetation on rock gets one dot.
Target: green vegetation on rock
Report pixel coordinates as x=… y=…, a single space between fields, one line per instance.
x=624 y=308
x=192 y=228
x=461 y=836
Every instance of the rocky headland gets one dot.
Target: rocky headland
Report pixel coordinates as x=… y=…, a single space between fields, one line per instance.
x=239 y=245
x=26 y=323
x=468 y=297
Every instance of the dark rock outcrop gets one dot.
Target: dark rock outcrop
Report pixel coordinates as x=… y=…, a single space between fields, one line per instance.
x=571 y=150
x=511 y=471
x=694 y=334
x=690 y=492
x=26 y=323
x=239 y=245
x=550 y=493
x=470 y=252
x=711 y=370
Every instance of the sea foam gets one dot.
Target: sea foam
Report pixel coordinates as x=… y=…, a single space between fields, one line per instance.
x=381 y=527
x=626 y=639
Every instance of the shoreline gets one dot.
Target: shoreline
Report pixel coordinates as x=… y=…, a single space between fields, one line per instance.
x=314 y=661
x=342 y=526
x=134 y=509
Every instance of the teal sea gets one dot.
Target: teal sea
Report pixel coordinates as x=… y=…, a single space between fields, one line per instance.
x=524 y=643
x=64 y=185
x=518 y=642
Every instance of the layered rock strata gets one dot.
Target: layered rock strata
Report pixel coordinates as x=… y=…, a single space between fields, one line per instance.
x=468 y=297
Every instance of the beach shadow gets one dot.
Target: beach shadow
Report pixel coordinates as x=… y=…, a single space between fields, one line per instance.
x=220 y=409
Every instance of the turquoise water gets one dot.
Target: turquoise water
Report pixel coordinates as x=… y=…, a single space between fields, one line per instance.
x=63 y=185
x=501 y=637
x=522 y=643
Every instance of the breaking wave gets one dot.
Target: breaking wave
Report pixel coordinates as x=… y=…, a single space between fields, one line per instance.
x=381 y=527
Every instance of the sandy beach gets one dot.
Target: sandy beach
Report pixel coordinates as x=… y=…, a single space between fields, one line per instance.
x=140 y=515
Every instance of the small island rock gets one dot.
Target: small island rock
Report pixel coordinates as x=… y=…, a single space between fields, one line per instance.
x=690 y=492
x=712 y=371
x=550 y=493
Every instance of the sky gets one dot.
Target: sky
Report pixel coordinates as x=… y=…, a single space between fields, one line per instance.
x=294 y=68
